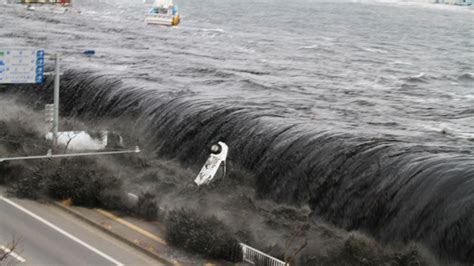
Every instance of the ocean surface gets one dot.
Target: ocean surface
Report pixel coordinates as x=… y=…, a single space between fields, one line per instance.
x=398 y=70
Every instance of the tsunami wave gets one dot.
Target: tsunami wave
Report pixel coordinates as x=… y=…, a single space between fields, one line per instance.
x=391 y=189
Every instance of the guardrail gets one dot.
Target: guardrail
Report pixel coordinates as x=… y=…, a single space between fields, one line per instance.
x=256 y=257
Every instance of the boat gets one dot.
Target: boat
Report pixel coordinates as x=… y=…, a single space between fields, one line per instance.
x=163 y=12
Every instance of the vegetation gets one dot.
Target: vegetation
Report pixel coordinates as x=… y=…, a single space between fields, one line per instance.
x=204 y=235
x=147 y=206
x=358 y=249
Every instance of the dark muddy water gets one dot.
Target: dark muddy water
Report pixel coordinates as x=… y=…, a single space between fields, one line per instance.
x=365 y=112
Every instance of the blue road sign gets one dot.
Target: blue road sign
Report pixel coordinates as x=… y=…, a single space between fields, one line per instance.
x=21 y=66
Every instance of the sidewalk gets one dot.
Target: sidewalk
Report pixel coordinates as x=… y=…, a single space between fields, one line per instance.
x=147 y=237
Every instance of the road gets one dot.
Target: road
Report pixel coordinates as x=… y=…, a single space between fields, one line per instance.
x=48 y=236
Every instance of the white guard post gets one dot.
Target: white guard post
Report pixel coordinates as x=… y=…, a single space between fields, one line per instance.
x=213 y=163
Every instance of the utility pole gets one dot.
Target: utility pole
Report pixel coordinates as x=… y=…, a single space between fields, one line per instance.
x=56 y=102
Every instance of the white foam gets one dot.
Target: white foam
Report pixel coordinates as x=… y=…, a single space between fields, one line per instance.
x=310 y=46
x=214 y=30
x=429 y=4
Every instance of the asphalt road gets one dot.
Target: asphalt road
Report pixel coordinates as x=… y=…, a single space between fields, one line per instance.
x=48 y=236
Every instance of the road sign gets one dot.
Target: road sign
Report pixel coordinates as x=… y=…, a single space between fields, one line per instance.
x=49 y=115
x=21 y=66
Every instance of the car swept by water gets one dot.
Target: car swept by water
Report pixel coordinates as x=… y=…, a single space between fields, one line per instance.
x=349 y=127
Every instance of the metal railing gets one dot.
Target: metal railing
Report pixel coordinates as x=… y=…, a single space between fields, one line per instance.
x=256 y=257
x=49 y=155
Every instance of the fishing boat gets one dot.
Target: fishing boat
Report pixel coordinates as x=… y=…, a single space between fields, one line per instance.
x=163 y=12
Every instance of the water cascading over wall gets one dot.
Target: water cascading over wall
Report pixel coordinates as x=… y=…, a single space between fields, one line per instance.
x=394 y=190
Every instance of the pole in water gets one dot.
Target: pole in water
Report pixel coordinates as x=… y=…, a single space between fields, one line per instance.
x=56 y=102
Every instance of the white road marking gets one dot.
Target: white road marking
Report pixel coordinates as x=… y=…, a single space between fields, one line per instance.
x=62 y=232
x=13 y=254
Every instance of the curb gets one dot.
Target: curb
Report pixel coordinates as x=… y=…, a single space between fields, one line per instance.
x=115 y=235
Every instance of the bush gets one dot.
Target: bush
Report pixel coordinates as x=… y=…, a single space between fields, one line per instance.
x=87 y=184
x=147 y=207
x=358 y=249
x=27 y=187
x=112 y=199
x=6 y=171
x=25 y=182
x=204 y=235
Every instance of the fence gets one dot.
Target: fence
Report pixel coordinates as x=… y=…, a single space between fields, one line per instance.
x=256 y=257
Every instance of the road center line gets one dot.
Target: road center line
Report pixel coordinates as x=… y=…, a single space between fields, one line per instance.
x=91 y=248
x=13 y=254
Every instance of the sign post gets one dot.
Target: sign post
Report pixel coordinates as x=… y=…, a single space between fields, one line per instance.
x=23 y=66
x=49 y=116
x=20 y=66
x=56 y=102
